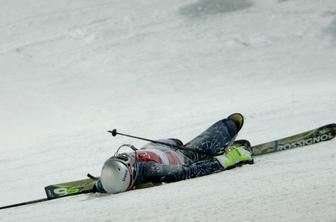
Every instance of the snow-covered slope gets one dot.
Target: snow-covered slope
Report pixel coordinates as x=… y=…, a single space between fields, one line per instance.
x=70 y=70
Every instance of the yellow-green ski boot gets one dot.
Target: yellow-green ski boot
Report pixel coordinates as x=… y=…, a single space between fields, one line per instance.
x=237 y=154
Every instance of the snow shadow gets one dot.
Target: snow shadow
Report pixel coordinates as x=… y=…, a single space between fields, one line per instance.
x=331 y=29
x=212 y=7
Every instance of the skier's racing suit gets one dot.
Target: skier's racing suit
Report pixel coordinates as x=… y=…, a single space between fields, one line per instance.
x=158 y=163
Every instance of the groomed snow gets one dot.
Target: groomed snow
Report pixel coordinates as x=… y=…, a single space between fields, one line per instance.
x=71 y=70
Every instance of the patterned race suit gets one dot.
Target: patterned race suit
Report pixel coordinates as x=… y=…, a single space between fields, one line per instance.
x=159 y=163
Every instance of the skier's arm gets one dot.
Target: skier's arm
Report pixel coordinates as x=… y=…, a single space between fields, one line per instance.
x=199 y=168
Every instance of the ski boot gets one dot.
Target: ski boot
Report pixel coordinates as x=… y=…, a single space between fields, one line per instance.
x=239 y=153
x=238 y=119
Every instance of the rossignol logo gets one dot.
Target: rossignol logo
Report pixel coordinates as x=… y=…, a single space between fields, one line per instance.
x=306 y=142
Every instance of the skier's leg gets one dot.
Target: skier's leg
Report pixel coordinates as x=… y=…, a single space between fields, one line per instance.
x=236 y=155
x=198 y=168
x=217 y=137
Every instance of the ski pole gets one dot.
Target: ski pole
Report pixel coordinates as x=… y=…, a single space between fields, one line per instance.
x=24 y=203
x=115 y=133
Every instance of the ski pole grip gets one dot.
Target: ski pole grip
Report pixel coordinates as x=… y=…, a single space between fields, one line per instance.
x=113 y=132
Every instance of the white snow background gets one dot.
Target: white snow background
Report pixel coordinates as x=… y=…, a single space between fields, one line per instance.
x=71 y=70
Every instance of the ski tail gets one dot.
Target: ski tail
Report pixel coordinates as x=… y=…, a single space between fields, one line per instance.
x=310 y=137
x=62 y=190
x=70 y=188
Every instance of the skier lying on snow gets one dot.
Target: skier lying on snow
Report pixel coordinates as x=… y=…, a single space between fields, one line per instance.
x=158 y=163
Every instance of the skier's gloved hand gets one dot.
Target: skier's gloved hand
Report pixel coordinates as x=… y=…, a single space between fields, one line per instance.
x=98 y=187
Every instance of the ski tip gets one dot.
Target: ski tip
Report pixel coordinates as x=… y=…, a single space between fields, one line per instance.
x=333 y=125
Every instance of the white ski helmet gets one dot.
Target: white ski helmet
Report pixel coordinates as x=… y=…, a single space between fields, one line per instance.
x=119 y=172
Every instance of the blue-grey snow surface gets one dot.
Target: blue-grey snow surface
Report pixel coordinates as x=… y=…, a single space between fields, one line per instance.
x=71 y=70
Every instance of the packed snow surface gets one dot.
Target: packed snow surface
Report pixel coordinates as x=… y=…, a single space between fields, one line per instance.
x=71 y=70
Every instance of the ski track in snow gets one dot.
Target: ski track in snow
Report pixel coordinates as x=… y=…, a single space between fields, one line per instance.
x=70 y=71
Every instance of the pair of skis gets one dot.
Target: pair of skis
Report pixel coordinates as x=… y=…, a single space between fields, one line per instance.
x=310 y=137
